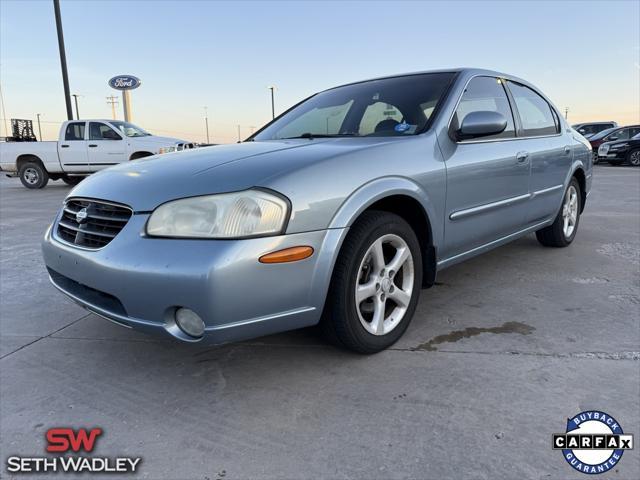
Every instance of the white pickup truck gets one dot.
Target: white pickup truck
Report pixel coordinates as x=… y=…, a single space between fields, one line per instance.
x=84 y=147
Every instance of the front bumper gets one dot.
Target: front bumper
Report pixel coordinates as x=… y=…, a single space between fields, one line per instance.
x=138 y=281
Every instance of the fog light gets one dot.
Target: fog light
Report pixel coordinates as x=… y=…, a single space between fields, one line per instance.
x=189 y=322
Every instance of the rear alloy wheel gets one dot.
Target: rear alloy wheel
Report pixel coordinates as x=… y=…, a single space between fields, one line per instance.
x=376 y=284
x=634 y=157
x=564 y=228
x=33 y=175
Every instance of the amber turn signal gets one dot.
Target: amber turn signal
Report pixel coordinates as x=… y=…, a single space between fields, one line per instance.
x=292 y=254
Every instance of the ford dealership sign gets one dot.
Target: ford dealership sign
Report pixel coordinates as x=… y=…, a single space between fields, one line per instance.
x=125 y=82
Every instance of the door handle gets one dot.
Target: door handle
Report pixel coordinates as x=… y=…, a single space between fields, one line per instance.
x=64 y=146
x=92 y=145
x=567 y=149
x=522 y=158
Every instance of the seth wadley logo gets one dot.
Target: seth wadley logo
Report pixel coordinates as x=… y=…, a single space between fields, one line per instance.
x=61 y=441
x=593 y=442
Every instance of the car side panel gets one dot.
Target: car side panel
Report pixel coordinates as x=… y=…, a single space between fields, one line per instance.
x=551 y=159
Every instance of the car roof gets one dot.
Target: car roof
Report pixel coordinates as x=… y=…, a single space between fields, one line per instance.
x=467 y=71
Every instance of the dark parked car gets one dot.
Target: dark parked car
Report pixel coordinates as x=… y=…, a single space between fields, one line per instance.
x=589 y=129
x=621 y=151
x=611 y=135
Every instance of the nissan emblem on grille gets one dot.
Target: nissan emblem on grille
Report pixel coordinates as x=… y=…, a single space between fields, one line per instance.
x=81 y=216
x=91 y=223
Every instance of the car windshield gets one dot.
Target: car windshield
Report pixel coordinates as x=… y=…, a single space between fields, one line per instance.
x=398 y=106
x=130 y=130
x=603 y=133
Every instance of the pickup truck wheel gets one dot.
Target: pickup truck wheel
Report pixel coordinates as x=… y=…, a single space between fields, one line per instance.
x=72 y=180
x=33 y=175
x=375 y=285
x=564 y=228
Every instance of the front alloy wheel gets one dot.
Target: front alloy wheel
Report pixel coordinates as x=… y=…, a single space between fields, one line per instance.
x=634 y=158
x=384 y=287
x=375 y=285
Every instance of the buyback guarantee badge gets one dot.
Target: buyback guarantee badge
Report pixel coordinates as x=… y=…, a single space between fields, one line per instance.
x=593 y=442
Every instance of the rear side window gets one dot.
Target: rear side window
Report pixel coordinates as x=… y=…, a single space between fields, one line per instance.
x=75 y=131
x=535 y=113
x=485 y=94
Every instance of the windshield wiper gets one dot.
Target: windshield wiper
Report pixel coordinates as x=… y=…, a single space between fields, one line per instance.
x=311 y=136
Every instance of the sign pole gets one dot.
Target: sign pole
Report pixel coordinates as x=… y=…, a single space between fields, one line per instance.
x=126 y=105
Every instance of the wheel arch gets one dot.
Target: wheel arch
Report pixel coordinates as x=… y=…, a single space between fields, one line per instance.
x=140 y=154
x=28 y=157
x=582 y=181
x=404 y=198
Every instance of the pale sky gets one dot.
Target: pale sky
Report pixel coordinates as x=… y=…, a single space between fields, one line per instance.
x=585 y=55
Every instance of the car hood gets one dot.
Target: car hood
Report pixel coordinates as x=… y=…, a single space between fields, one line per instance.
x=167 y=141
x=146 y=183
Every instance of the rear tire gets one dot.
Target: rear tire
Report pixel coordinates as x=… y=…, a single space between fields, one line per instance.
x=634 y=157
x=72 y=180
x=564 y=228
x=375 y=285
x=33 y=175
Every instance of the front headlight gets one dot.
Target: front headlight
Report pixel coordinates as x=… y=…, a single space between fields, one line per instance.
x=167 y=149
x=251 y=213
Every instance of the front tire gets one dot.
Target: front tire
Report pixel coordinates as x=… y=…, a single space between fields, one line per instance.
x=33 y=175
x=564 y=228
x=375 y=285
x=634 y=157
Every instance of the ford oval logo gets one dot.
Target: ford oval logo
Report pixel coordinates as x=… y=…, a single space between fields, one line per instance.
x=125 y=82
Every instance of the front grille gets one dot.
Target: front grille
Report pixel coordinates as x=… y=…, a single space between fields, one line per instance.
x=91 y=223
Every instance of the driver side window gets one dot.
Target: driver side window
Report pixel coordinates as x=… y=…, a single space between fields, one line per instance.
x=485 y=94
x=100 y=131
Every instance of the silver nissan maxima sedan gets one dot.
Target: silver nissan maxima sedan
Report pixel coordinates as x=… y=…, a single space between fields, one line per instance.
x=338 y=212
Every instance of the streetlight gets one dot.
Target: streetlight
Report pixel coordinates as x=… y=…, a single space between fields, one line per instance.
x=239 y=139
x=273 y=107
x=206 y=123
x=39 y=129
x=75 y=98
x=63 y=58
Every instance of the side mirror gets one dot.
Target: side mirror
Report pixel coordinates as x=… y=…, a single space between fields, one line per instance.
x=481 y=124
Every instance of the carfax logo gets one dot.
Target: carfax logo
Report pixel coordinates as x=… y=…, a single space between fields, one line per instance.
x=593 y=442
x=65 y=440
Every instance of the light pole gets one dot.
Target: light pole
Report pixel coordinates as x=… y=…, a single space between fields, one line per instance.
x=238 y=133
x=75 y=98
x=566 y=112
x=63 y=59
x=273 y=105
x=206 y=122
x=39 y=129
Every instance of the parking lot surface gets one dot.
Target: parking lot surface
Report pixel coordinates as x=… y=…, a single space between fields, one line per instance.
x=499 y=354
